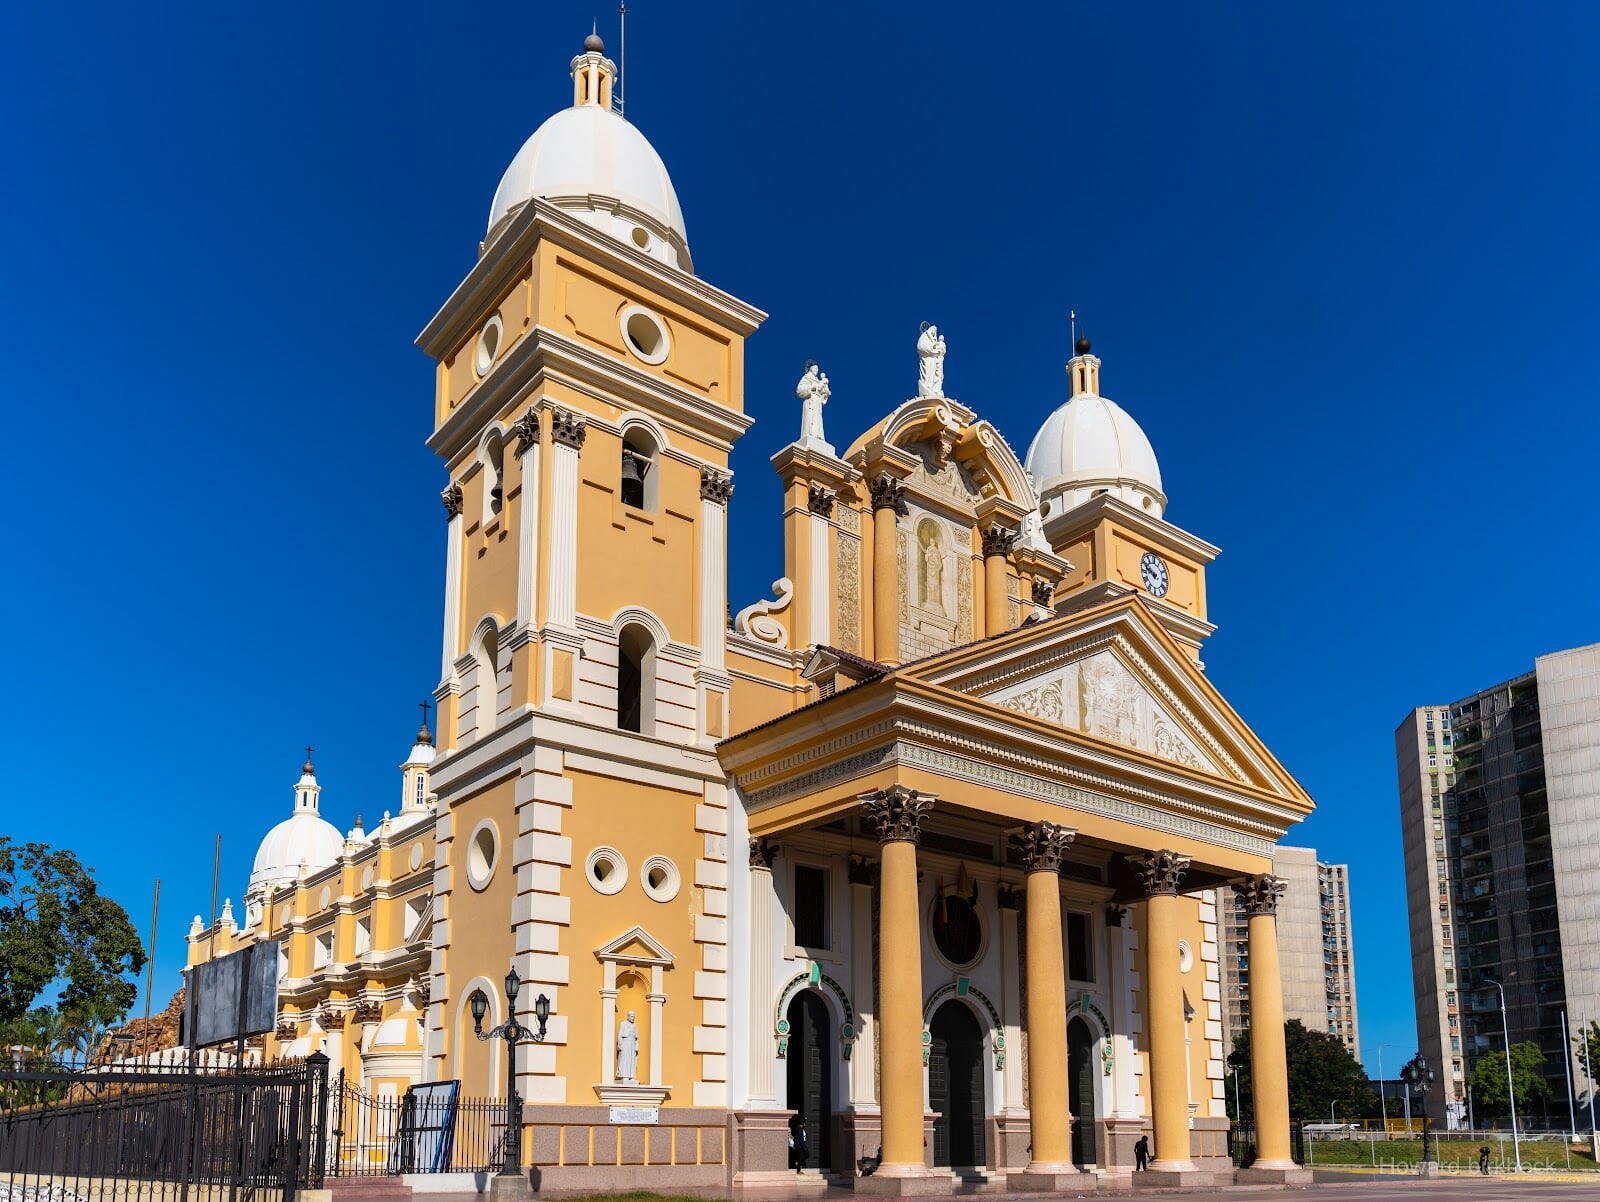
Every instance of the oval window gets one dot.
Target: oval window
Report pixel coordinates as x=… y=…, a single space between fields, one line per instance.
x=488 y=345
x=645 y=334
x=957 y=929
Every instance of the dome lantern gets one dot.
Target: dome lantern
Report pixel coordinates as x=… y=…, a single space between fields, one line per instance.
x=304 y=841
x=1091 y=447
x=589 y=161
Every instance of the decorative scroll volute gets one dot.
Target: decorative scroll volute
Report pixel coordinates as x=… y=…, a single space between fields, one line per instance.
x=1261 y=894
x=1161 y=871
x=897 y=812
x=1044 y=845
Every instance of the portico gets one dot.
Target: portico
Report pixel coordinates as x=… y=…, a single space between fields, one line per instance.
x=920 y=774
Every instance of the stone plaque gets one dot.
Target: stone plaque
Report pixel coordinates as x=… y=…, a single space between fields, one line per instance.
x=635 y=1116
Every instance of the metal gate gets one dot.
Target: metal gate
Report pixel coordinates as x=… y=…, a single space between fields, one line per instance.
x=195 y=1128
x=428 y=1129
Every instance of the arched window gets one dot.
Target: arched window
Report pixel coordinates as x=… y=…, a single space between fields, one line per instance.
x=486 y=651
x=494 y=480
x=640 y=456
x=636 y=680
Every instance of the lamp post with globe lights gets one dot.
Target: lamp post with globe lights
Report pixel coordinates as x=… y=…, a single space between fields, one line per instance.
x=1418 y=1076
x=513 y=1033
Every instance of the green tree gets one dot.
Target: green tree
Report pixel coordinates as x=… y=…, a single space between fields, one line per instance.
x=1590 y=1036
x=1322 y=1072
x=56 y=927
x=1488 y=1080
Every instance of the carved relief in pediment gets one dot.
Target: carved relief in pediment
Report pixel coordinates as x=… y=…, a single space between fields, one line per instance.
x=1100 y=696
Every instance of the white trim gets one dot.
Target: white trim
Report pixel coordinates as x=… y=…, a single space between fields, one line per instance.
x=667 y=890
x=479 y=880
x=663 y=335
x=617 y=881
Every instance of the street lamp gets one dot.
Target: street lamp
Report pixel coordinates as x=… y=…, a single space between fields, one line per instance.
x=1418 y=1077
x=1511 y=1092
x=512 y=1032
x=1383 y=1100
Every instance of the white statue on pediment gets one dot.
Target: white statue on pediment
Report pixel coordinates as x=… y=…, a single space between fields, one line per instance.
x=930 y=368
x=813 y=392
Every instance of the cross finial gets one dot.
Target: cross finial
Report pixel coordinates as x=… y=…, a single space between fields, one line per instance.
x=309 y=769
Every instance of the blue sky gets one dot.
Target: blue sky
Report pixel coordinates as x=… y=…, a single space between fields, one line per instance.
x=1339 y=261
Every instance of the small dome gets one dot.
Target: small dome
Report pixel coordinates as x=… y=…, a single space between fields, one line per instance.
x=303 y=839
x=589 y=161
x=1091 y=446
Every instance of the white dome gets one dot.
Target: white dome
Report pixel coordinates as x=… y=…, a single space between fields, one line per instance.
x=303 y=839
x=1091 y=446
x=591 y=162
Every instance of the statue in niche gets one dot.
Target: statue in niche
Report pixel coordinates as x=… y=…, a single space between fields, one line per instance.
x=628 y=1051
x=930 y=566
x=813 y=392
x=930 y=369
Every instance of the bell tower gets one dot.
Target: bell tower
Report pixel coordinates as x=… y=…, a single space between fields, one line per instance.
x=589 y=390
x=1104 y=510
x=589 y=387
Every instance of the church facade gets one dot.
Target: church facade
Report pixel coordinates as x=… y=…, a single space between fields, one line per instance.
x=909 y=872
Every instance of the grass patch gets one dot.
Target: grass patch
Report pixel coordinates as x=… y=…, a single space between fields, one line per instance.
x=1536 y=1153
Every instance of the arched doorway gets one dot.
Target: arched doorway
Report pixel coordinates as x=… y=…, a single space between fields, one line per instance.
x=955 y=1086
x=811 y=1074
x=1080 y=1090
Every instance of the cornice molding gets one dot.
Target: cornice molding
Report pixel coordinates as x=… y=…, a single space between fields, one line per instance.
x=512 y=249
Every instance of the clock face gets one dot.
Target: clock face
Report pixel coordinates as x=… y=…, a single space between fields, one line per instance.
x=1154 y=574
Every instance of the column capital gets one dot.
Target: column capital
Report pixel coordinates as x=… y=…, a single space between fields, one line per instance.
x=762 y=854
x=887 y=492
x=897 y=812
x=568 y=428
x=715 y=486
x=819 y=499
x=1044 y=592
x=1043 y=845
x=526 y=430
x=1160 y=871
x=1261 y=894
x=998 y=540
x=452 y=502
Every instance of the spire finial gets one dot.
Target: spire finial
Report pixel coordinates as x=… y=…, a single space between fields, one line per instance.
x=594 y=43
x=425 y=736
x=308 y=768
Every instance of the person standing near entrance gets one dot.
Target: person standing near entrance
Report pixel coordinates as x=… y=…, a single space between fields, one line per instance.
x=1483 y=1160
x=1141 y=1154
x=799 y=1145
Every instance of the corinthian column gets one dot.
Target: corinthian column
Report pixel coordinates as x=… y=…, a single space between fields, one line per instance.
x=1169 y=1075
x=1044 y=847
x=887 y=496
x=1269 y=1070
x=897 y=813
x=997 y=544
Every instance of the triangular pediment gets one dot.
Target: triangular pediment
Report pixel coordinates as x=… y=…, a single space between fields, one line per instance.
x=1112 y=674
x=636 y=946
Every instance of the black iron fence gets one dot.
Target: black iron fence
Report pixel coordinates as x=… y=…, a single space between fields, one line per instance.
x=428 y=1129
x=185 y=1129
x=1242 y=1143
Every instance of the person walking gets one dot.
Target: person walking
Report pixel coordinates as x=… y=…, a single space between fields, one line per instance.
x=799 y=1145
x=1483 y=1160
x=1141 y=1154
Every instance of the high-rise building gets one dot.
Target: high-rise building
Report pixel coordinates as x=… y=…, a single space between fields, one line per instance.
x=1316 y=957
x=1499 y=796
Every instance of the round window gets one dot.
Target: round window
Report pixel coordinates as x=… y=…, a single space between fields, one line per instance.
x=324 y=898
x=645 y=335
x=366 y=877
x=488 y=345
x=416 y=856
x=957 y=929
x=659 y=876
x=607 y=870
x=641 y=237
x=483 y=850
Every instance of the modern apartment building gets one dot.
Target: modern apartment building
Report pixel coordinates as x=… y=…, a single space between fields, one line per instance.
x=1499 y=804
x=1315 y=948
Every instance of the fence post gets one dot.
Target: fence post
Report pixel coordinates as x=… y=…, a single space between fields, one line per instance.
x=317 y=1087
